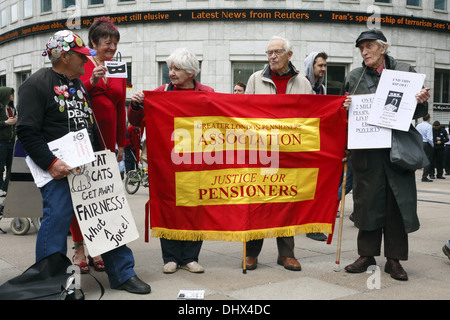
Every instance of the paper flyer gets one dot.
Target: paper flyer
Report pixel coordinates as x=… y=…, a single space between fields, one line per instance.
x=362 y=135
x=395 y=102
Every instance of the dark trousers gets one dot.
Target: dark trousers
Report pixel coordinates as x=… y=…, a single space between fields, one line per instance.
x=130 y=159
x=6 y=156
x=438 y=161
x=429 y=152
x=180 y=252
x=285 y=247
x=395 y=237
x=447 y=159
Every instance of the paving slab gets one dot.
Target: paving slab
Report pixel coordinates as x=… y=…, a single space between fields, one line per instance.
x=224 y=281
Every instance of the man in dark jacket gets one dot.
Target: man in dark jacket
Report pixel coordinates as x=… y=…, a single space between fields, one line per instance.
x=8 y=119
x=53 y=102
x=384 y=195
x=439 y=139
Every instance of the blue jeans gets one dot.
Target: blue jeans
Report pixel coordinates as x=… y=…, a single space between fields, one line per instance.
x=55 y=226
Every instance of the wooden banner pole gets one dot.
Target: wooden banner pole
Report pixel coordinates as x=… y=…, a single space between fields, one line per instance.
x=341 y=218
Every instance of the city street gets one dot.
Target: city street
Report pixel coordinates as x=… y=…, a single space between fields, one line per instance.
x=428 y=268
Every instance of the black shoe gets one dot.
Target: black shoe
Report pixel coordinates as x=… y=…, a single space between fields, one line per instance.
x=395 y=269
x=317 y=236
x=446 y=251
x=351 y=217
x=135 y=285
x=426 y=180
x=360 y=265
x=440 y=177
x=432 y=176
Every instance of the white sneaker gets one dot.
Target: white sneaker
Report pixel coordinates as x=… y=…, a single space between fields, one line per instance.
x=193 y=267
x=2 y=193
x=170 y=267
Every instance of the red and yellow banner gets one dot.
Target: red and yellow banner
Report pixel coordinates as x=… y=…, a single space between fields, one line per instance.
x=242 y=167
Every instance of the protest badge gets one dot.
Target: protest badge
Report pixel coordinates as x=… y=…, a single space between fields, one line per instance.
x=116 y=69
x=395 y=102
x=362 y=135
x=100 y=205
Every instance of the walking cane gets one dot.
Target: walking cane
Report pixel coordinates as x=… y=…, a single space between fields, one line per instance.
x=337 y=267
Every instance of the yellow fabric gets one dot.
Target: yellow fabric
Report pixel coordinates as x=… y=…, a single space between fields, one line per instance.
x=241 y=236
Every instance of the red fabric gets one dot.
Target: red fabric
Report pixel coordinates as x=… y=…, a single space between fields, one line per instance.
x=108 y=105
x=162 y=108
x=136 y=116
x=75 y=230
x=280 y=82
x=134 y=138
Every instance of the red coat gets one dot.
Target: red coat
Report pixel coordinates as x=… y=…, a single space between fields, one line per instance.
x=108 y=105
x=134 y=138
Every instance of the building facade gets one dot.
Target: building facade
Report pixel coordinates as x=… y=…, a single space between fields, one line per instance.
x=230 y=37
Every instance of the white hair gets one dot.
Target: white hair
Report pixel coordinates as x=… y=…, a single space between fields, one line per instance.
x=287 y=44
x=184 y=59
x=383 y=43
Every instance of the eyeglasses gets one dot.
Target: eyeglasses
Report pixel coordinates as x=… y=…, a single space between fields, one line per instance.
x=277 y=52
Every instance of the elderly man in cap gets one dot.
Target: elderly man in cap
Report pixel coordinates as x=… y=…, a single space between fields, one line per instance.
x=384 y=195
x=53 y=102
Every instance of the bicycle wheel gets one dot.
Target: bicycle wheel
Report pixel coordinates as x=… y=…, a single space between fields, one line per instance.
x=132 y=181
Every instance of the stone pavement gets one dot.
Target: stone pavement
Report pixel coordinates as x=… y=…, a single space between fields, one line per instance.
x=428 y=268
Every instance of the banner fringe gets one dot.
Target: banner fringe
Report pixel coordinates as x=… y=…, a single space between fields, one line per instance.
x=241 y=236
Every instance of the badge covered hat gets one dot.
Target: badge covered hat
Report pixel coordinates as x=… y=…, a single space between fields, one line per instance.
x=66 y=40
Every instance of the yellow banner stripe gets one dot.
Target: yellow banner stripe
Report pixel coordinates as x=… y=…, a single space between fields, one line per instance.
x=245 y=186
x=208 y=134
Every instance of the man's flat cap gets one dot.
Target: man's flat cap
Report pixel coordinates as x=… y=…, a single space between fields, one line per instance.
x=372 y=34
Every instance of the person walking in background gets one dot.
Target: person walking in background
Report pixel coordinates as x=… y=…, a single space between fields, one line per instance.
x=440 y=137
x=315 y=68
x=447 y=152
x=132 y=148
x=426 y=130
x=8 y=120
x=239 y=87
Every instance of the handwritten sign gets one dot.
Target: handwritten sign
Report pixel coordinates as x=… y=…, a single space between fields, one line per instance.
x=395 y=102
x=362 y=135
x=100 y=204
